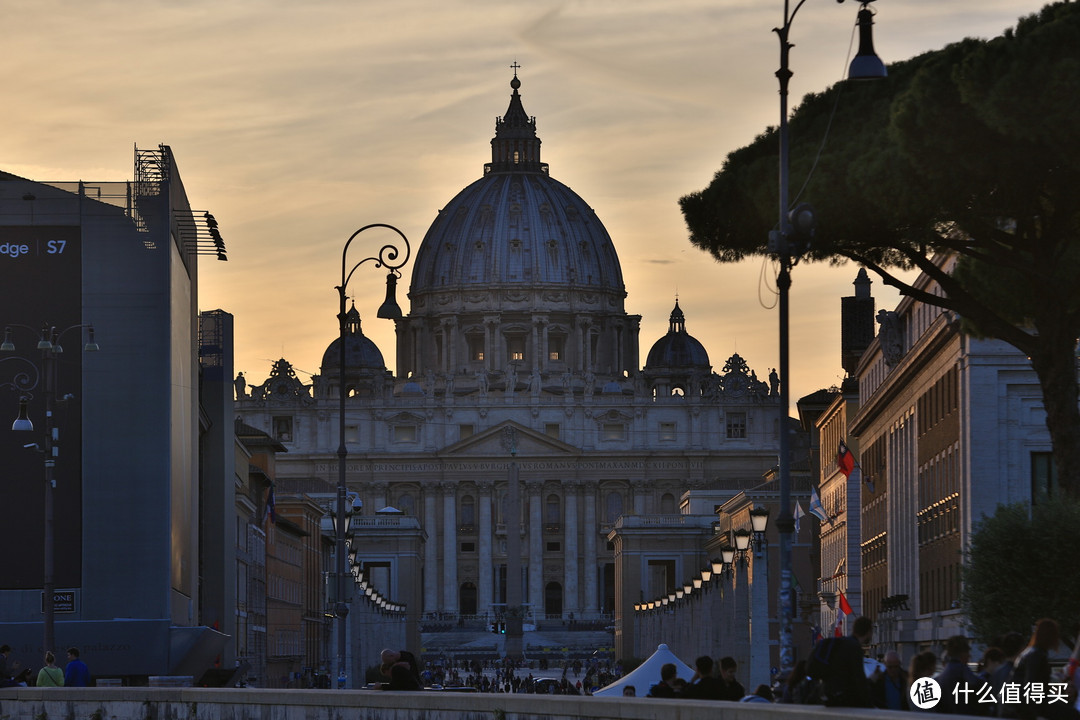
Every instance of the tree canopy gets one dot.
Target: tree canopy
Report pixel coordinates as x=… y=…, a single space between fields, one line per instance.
x=971 y=150
x=1014 y=573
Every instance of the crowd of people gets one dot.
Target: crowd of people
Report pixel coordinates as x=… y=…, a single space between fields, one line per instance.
x=517 y=676
x=1013 y=679
x=14 y=674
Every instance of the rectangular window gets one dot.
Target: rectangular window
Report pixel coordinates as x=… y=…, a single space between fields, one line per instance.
x=554 y=546
x=1043 y=477
x=405 y=434
x=465 y=430
x=476 y=347
x=515 y=347
x=736 y=425
x=283 y=431
x=352 y=434
x=468 y=547
x=551 y=430
x=667 y=431
x=614 y=431
x=556 y=347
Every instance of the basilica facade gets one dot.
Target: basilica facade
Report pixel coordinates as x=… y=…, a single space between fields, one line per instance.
x=517 y=320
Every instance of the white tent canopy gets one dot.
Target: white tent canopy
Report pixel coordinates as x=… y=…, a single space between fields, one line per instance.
x=647 y=674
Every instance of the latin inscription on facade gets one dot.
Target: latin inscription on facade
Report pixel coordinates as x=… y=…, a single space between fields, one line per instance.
x=535 y=466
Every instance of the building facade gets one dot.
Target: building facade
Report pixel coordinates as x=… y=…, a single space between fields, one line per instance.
x=517 y=320
x=948 y=427
x=127 y=519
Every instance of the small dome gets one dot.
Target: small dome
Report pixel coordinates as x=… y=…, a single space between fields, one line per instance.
x=360 y=352
x=677 y=349
x=612 y=387
x=412 y=389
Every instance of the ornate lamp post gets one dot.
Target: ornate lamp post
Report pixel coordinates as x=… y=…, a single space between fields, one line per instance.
x=25 y=381
x=795 y=227
x=388 y=258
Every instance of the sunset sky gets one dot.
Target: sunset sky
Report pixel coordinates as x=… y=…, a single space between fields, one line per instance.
x=297 y=123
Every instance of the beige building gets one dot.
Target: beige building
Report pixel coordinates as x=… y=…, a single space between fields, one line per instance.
x=517 y=320
x=946 y=427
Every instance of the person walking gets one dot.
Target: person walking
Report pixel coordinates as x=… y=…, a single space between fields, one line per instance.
x=891 y=687
x=1033 y=667
x=390 y=658
x=731 y=689
x=1011 y=644
x=845 y=683
x=959 y=685
x=704 y=685
x=50 y=675
x=6 y=665
x=666 y=687
x=76 y=674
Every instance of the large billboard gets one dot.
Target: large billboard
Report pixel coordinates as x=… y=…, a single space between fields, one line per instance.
x=40 y=287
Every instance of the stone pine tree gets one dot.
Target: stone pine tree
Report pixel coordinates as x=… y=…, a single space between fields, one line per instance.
x=971 y=151
x=1018 y=570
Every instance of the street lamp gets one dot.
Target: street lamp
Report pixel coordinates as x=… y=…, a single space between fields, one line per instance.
x=759 y=520
x=25 y=383
x=793 y=224
x=387 y=257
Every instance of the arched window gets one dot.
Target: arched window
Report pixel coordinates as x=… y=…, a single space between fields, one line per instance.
x=552 y=510
x=667 y=504
x=467 y=599
x=468 y=510
x=553 y=600
x=613 y=506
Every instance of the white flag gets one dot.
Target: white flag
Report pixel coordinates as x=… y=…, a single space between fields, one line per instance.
x=798 y=515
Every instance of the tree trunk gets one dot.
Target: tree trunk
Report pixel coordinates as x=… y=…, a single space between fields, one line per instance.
x=1054 y=362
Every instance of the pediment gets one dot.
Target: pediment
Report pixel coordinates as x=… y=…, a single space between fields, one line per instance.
x=492 y=443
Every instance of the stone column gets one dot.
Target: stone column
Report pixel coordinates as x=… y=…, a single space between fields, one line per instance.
x=486 y=589
x=591 y=600
x=759 y=671
x=491 y=344
x=586 y=344
x=536 y=548
x=431 y=553
x=638 y=486
x=418 y=351
x=570 y=550
x=449 y=575
x=449 y=333
x=545 y=361
x=534 y=338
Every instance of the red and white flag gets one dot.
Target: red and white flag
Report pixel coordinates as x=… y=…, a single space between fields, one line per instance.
x=845 y=461
x=845 y=606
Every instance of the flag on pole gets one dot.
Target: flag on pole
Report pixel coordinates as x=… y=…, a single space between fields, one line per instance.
x=799 y=513
x=838 y=631
x=816 y=508
x=845 y=460
x=845 y=606
x=270 y=508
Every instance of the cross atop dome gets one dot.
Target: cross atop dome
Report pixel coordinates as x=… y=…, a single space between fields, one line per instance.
x=677 y=321
x=515 y=147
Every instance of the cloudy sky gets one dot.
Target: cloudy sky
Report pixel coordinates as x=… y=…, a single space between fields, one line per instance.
x=296 y=123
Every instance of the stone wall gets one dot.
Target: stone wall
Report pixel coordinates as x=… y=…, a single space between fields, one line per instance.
x=257 y=704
